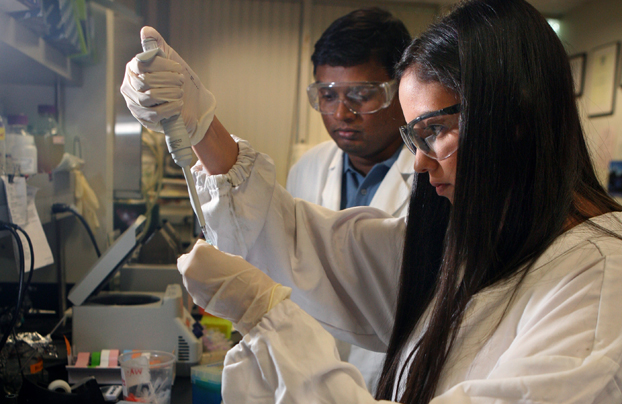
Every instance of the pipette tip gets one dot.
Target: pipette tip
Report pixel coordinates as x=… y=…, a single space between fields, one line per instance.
x=207 y=239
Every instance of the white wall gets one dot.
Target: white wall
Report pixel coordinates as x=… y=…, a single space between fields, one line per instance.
x=249 y=54
x=245 y=52
x=586 y=27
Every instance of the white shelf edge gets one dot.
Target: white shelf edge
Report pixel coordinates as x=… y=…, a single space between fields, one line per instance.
x=27 y=42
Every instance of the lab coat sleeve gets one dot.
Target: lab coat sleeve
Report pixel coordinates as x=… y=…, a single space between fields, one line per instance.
x=289 y=358
x=293 y=179
x=343 y=266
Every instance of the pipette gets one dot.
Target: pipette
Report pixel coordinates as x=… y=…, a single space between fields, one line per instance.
x=177 y=139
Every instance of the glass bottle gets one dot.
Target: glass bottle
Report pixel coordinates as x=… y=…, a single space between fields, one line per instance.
x=21 y=156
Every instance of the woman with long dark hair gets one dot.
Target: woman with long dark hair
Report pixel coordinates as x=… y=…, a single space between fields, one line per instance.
x=521 y=176
x=506 y=286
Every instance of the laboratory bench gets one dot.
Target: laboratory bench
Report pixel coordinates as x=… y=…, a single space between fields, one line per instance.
x=181 y=392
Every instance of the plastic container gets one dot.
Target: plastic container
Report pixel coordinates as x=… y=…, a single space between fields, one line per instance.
x=206 y=383
x=147 y=376
x=49 y=139
x=21 y=156
x=224 y=326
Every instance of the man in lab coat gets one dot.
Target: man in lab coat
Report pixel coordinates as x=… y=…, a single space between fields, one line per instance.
x=366 y=163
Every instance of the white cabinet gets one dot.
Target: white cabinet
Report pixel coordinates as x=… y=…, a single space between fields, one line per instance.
x=87 y=96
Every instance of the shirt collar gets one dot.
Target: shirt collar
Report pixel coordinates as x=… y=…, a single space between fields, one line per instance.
x=347 y=165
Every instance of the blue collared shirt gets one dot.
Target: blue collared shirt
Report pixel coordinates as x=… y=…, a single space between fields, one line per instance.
x=358 y=189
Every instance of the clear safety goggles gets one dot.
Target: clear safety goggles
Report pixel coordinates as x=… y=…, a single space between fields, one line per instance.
x=434 y=133
x=365 y=97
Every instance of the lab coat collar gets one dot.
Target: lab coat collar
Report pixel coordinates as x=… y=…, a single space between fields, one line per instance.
x=330 y=198
x=394 y=191
x=391 y=196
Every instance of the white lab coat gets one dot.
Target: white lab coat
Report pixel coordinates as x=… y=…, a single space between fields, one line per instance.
x=317 y=177
x=560 y=339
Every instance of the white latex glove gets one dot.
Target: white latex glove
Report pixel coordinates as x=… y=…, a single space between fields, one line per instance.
x=87 y=203
x=227 y=286
x=158 y=90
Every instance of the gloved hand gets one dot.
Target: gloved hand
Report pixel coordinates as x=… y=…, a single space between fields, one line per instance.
x=158 y=90
x=227 y=286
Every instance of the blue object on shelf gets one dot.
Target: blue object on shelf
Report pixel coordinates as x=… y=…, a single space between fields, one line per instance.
x=206 y=383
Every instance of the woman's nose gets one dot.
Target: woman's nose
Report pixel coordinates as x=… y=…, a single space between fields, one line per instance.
x=424 y=163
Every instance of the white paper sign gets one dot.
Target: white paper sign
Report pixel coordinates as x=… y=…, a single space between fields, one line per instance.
x=16 y=198
x=21 y=210
x=43 y=253
x=135 y=372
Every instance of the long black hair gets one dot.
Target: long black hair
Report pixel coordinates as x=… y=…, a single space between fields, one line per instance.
x=523 y=174
x=359 y=36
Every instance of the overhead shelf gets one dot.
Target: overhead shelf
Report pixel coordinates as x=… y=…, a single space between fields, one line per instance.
x=26 y=58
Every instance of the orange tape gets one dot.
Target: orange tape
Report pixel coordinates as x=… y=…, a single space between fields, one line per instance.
x=36 y=367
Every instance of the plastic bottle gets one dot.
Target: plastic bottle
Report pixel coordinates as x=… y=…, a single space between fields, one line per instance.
x=49 y=139
x=20 y=146
x=2 y=147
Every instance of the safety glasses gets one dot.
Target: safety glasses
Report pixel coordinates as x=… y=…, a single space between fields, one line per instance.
x=435 y=133
x=365 y=97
